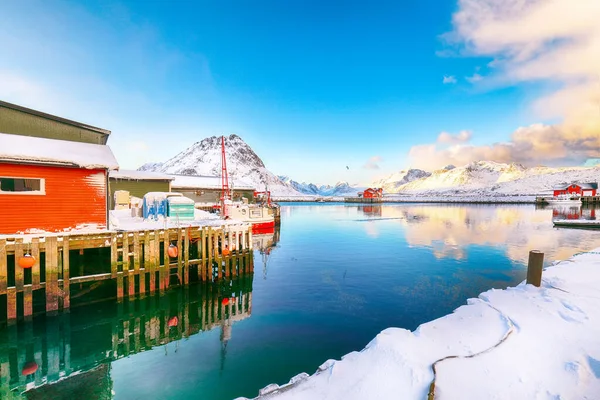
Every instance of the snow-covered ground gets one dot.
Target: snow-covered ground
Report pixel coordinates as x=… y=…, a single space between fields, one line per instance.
x=122 y=220
x=519 y=343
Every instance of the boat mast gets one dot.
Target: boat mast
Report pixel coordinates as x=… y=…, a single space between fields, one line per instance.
x=225 y=192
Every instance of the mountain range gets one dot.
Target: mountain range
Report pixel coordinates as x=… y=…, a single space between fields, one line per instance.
x=476 y=178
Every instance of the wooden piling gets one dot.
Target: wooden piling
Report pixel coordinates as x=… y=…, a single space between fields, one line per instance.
x=534 y=268
x=3 y=267
x=164 y=271
x=179 y=256
x=186 y=256
x=35 y=270
x=51 y=274
x=66 y=275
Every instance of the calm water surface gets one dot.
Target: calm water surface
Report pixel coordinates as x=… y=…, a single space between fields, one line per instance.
x=333 y=277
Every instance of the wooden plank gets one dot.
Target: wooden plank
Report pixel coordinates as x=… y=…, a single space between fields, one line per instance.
x=209 y=253
x=136 y=263
x=35 y=270
x=51 y=274
x=156 y=253
x=186 y=256
x=164 y=270
x=3 y=267
x=19 y=278
x=113 y=254
x=125 y=251
x=142 y=273
x=11 y=305
x=149 y=261
x=66 y=281
x=179 y=256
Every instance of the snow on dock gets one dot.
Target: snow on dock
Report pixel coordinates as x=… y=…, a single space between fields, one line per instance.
x=523 y=342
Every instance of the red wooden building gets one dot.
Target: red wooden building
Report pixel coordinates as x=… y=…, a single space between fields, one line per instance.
x=52 y=185
x=372 y=193
x=581 y=189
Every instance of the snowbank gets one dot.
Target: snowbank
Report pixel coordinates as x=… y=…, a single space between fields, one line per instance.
x=519 y=343
x=122 y=220
x=394 y=198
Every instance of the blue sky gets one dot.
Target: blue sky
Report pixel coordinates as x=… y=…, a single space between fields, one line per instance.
x=311 y=86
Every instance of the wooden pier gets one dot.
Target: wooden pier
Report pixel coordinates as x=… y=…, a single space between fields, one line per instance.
x=83 y=343
x=590 y=199
x=366 y=200
x=139 y=263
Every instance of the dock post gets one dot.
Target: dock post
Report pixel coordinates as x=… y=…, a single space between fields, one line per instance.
x=186 y=256
x=534 y=267
x=51 y=275
x=66 y=287
x=148 y=259
x=164 y=270
x=136 y=263
x=179 y=256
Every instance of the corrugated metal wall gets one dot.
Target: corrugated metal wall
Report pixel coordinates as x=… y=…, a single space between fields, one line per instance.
x=137 y=188
x=21 y=123
x=73 y=196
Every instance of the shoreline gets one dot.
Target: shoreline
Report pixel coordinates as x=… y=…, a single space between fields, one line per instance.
x=495 y=346
x=418 y=199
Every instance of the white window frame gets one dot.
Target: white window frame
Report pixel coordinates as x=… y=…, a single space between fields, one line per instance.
x=41 y=192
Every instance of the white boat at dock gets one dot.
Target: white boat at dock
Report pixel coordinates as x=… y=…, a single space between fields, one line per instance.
x=577 y=223
x=564 y=200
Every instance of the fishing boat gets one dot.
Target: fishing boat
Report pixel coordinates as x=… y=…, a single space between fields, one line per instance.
x=564 y=200
x=261 y=214
x=577 y=223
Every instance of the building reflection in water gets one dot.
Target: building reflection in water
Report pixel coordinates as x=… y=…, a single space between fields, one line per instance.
x=449 y=230
x=80 y=345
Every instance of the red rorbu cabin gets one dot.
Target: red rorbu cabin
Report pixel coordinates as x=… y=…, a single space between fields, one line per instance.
x=372 y=193
x=580 y=189
x=52 y=185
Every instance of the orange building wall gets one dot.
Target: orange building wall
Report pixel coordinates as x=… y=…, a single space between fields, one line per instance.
x=73 y=197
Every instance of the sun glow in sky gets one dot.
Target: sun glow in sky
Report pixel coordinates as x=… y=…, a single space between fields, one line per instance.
x=313 y=86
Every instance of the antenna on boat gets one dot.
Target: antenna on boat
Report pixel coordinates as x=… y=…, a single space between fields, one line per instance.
x=225 y=192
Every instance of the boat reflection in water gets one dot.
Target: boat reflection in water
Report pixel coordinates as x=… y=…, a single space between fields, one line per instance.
x=81 y=345
x=265 y=242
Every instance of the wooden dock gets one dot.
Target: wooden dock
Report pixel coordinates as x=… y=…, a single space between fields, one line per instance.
x=590 y=199
x=365 y=200
x=139 y=263
x=75 y=344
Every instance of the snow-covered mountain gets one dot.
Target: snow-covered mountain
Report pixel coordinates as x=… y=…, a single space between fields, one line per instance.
x=483 y=177
x=204 y=158
x=392 y=183
x=339 y=189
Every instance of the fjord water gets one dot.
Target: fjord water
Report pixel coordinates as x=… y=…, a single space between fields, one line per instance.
x=337 y=275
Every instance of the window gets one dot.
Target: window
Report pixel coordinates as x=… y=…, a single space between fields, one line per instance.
x=11 y=185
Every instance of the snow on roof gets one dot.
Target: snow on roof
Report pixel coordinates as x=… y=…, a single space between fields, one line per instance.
x=140 y=175
x=26 y=149
x=206 y=182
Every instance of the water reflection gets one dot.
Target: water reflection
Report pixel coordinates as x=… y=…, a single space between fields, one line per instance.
x=451 y=230
x=81 y=345
x=265 y=243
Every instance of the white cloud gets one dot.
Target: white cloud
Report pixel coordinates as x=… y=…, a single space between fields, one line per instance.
x=474 y=78
x=551 y=41
x=373 y=162
x=449 y=79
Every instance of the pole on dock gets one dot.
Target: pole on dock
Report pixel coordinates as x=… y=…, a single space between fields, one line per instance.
x=534 y=268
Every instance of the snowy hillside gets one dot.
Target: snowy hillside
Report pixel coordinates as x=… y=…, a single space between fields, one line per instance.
x=339 y=189
x=391 y=183
x=204 y=158
x=494 y=178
